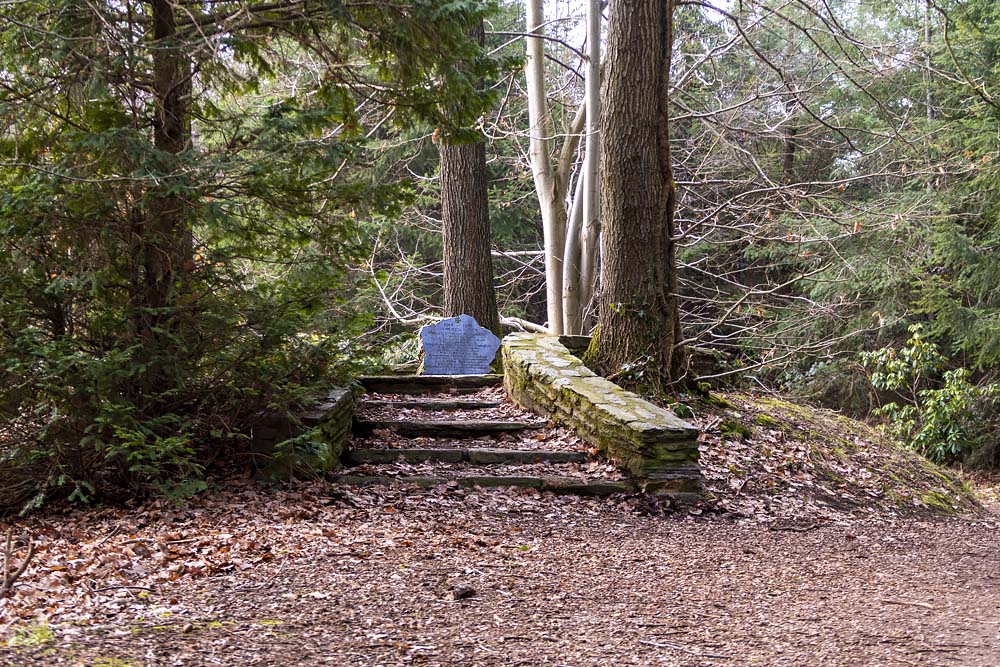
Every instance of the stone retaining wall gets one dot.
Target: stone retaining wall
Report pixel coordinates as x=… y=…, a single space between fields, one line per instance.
x=658 y=449
x=309 y=445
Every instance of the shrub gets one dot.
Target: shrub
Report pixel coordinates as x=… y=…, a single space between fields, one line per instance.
x=940 y=413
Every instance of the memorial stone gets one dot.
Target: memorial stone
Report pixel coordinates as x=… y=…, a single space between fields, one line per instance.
x=458 y=346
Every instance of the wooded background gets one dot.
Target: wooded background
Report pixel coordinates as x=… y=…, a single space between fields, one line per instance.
x=212 y=210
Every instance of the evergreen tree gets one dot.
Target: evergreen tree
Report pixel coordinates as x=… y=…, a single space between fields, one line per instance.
x=180 y=187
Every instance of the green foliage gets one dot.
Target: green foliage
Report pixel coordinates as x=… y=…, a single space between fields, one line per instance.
x=945 y=422
x=155 y=301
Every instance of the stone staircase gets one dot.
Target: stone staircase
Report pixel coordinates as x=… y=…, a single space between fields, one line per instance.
x=463 y=431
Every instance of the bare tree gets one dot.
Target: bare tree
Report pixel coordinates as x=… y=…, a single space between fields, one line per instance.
x=570 y=240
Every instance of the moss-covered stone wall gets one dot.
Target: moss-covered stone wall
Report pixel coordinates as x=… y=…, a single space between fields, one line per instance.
x=658 y=449
x=310 y=444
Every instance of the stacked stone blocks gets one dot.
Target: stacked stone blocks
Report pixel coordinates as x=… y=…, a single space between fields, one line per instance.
x=310 y=444
x=658 y=449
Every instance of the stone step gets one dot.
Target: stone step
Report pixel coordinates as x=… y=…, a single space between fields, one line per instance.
x=443 y=429
x=432 y=404
x=428 y=384
x=478 y=456
x=553 y=483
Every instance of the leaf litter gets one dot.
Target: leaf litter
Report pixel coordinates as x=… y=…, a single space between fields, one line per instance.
x=800 y=556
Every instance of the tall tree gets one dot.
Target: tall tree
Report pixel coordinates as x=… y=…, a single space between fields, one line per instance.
x=550 y=183
x=164 y=236
x=638 y=332
x=465 y=222
x=179 y=183
x=570 y=233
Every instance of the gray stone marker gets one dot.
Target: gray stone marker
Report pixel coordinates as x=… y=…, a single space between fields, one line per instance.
x=458 y=346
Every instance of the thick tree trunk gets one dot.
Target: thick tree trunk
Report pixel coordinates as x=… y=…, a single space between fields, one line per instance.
x=465 y=221
x=468 y=268
x=639 y=324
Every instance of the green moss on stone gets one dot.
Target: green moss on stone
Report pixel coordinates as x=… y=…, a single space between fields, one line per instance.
x=718 y=401
x=643 y=439
x=938 y=501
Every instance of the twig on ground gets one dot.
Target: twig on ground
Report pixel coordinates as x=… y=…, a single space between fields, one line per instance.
x=109 y=536
x=8 y=558
x=906 y=603
x=678 y=647
x=121 y=588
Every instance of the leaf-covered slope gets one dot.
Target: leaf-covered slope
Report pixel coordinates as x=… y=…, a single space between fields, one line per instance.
x=777 y=460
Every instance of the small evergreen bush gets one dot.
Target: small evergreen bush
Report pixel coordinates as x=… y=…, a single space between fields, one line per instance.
x=941 y=413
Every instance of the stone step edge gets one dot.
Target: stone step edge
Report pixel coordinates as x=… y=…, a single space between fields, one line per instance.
x=424 y=384
x=476 y=455
x=443 y=429
x=555 y=484
x=431 y=404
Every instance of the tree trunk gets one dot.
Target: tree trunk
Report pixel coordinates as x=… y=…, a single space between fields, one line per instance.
x=788 y=154
x=591 y=163
x=465 y=221
x=546 y=184
x=468 y=268
x=165 y=239
x=928 y=62
x=572 y=313
x=638 y=334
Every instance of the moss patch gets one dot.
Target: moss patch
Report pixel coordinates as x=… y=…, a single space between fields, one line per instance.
x=32 y=635
x=734 y=429
x=717 y=401
x=767 y=421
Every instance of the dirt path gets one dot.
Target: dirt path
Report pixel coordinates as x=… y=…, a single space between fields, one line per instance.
x=463 y=577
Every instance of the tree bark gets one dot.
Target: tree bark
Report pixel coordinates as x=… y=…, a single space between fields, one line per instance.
x=546 y=182
x=638 y=334
x=165 y=238
x=790 y=145
x=572 y=313
x=591 y=164
x=465 y=221
x=928 y=62
x=468 y=267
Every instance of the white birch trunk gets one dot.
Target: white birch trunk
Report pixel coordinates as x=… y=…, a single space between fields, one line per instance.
x=591 y=178
x=572 y=313
x=546 y=181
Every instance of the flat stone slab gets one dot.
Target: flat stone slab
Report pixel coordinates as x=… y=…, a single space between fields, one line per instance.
x=380 y=456
x=555 y=484
x=433 y=404
x=488 y=456
x=428 y=384
x=444 y=429
x=479 y=456
x=458 y=346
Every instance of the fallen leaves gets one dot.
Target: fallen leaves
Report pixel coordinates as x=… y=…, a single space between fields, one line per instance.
x=486 y=578
x=814 y=466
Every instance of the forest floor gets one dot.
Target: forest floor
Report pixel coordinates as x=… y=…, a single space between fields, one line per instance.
x=816 y=546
